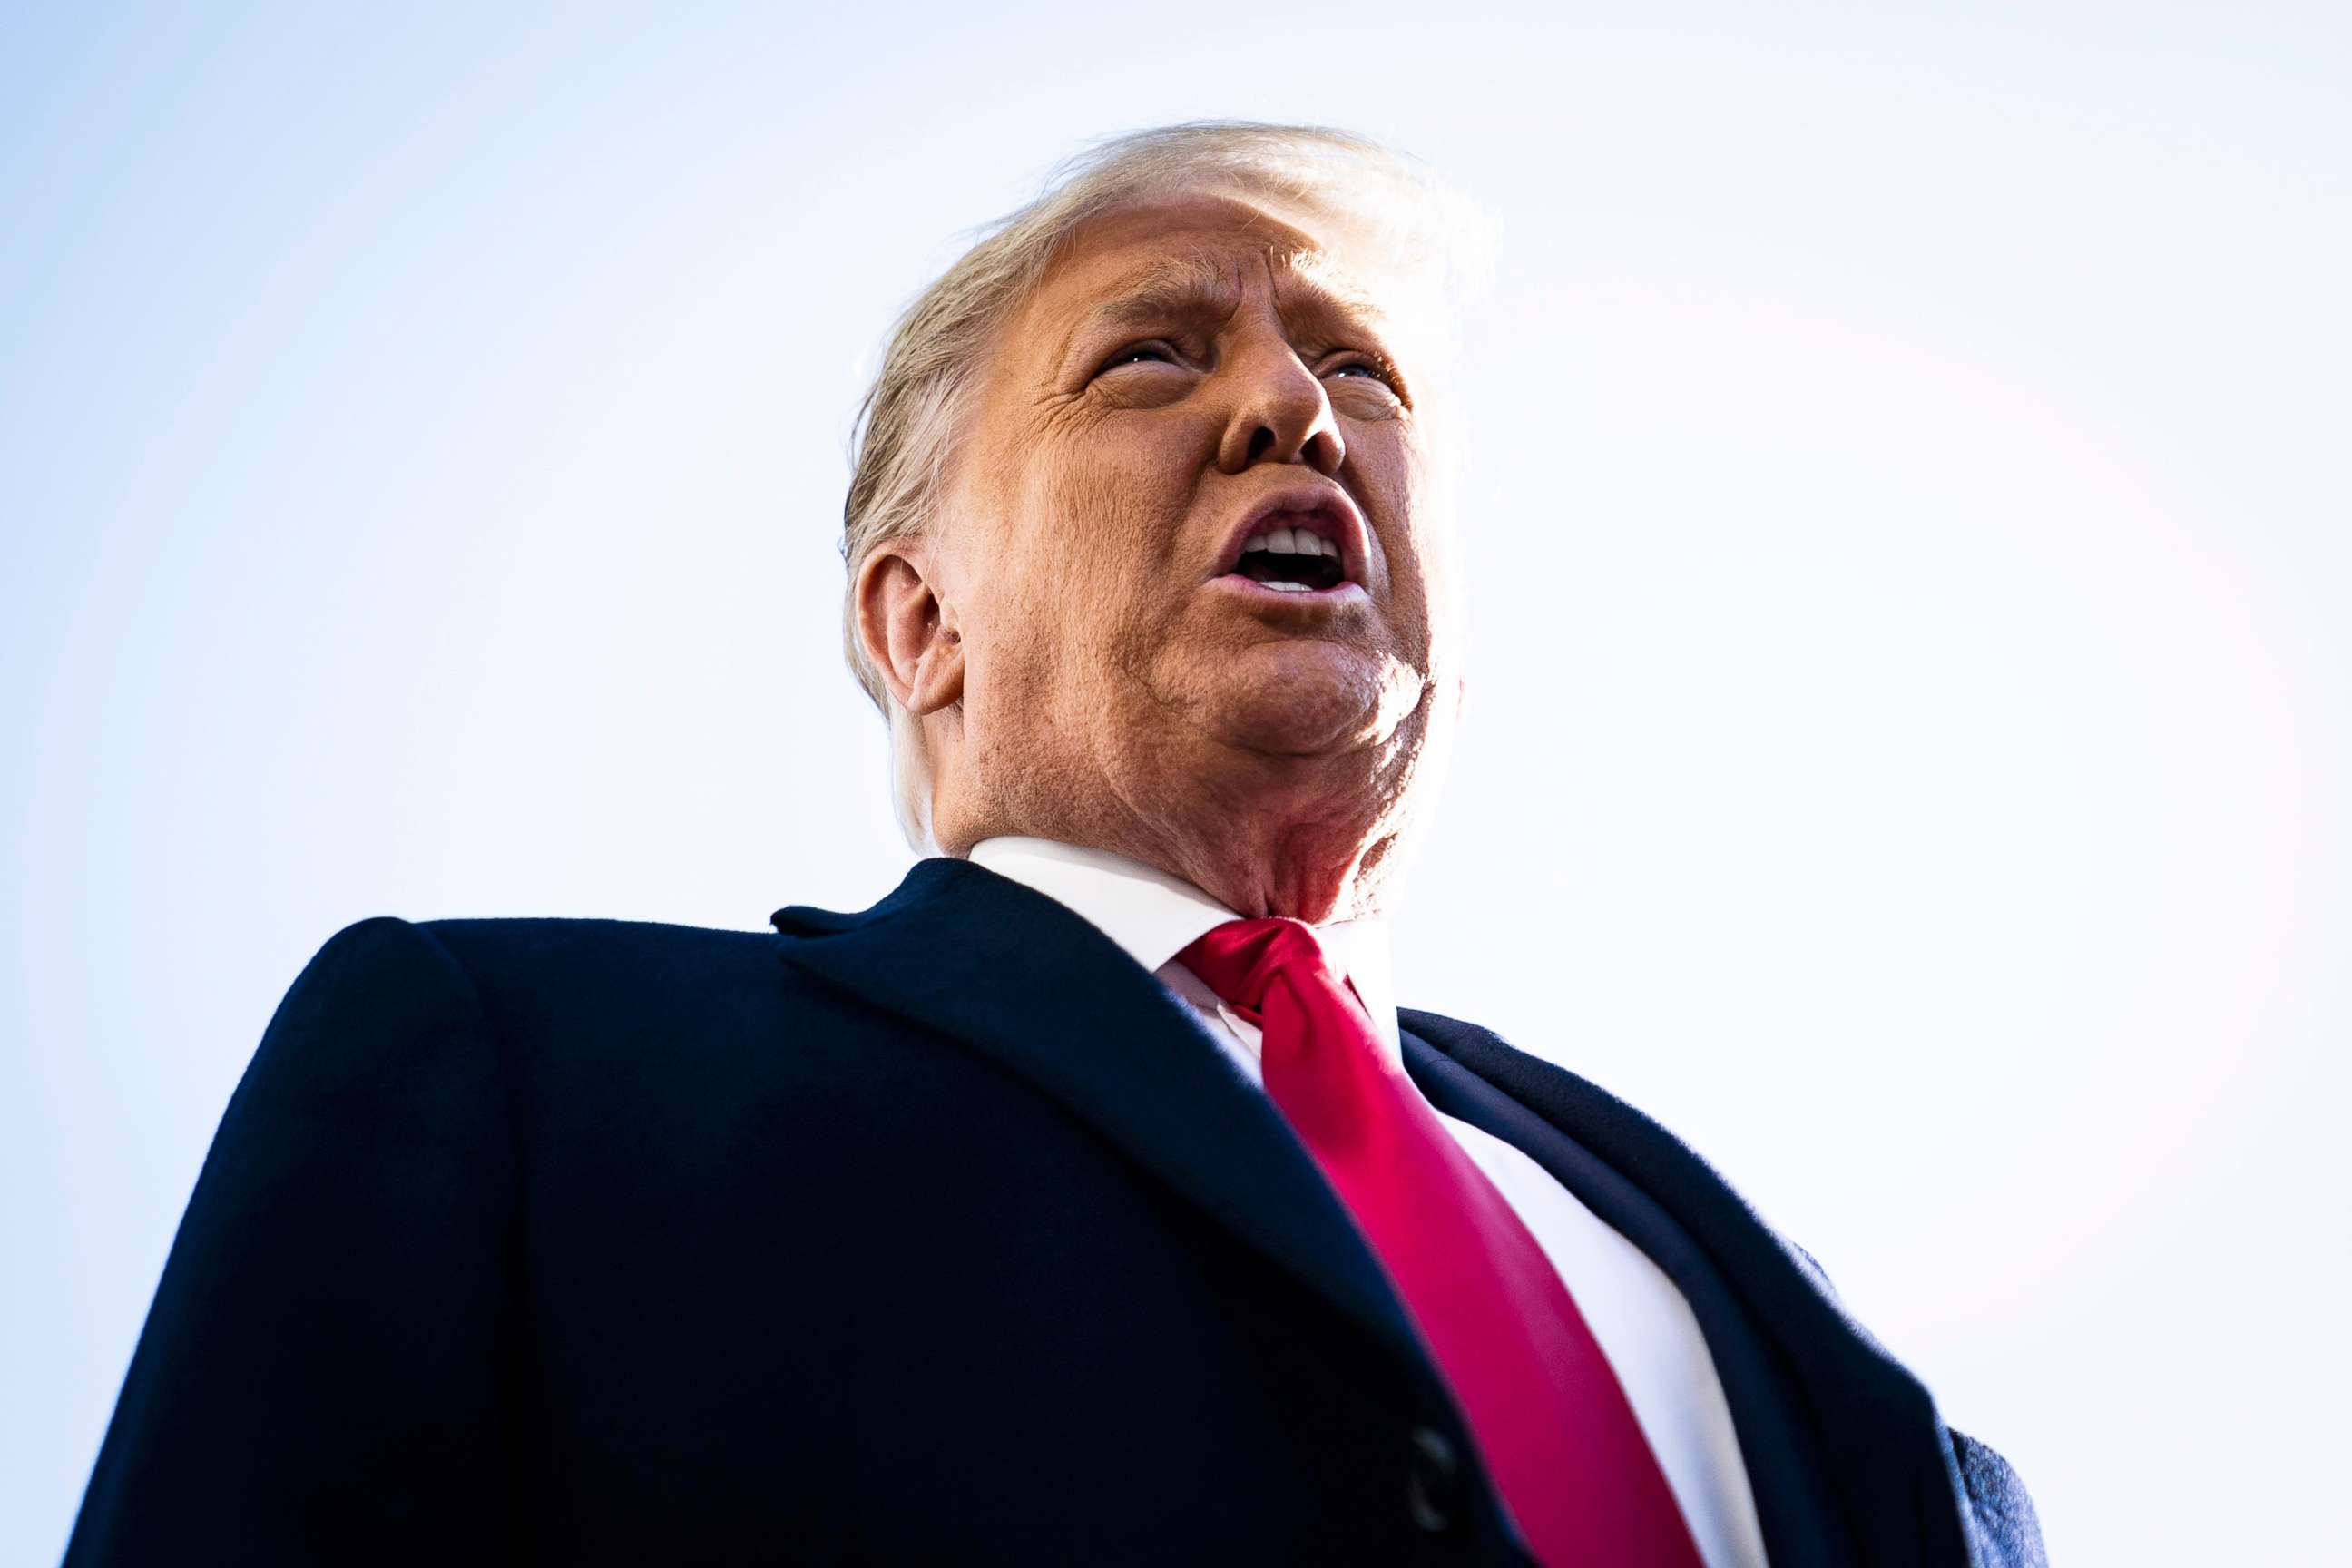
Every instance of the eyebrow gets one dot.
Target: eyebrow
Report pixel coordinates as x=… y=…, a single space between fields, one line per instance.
x=1194 y=286
x=1171 y=286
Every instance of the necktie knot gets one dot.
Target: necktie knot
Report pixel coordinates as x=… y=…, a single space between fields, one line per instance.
x=1240 y=960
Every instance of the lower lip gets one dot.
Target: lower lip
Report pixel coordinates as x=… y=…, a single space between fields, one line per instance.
x=1331 y=597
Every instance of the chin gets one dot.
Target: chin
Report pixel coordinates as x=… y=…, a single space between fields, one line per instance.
x=1301 y=700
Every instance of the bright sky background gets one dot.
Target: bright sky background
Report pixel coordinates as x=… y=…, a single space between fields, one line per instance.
x=1912 y=705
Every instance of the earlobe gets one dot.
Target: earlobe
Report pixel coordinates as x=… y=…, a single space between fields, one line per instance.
x=907 y=630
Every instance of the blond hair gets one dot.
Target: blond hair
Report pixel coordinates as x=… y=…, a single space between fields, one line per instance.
x=905 y=439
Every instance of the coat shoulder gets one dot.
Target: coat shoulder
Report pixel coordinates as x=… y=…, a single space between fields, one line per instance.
x=526 y=940
x=2004 y=1532
x=564 y=994
x=520 y=964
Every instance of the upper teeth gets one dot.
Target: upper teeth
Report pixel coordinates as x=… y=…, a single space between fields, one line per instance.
x=1291 y=541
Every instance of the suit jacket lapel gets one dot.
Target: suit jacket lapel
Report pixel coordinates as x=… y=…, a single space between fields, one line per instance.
x=1008 y=972
x=1881 y=1440
x=1800 y=1520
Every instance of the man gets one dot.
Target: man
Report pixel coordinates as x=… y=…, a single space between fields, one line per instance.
x=1086 y=1199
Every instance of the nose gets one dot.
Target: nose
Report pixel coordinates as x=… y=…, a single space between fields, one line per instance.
x=1280 y=414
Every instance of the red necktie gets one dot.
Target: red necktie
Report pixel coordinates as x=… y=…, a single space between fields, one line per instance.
x=1556 y=1433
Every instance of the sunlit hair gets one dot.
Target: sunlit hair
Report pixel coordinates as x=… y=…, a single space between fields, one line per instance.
x=905 y=440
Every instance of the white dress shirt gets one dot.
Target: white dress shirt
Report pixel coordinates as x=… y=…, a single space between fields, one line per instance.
x=1642 y=1322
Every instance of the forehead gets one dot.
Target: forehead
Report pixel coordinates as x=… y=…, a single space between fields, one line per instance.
x=1167 y=254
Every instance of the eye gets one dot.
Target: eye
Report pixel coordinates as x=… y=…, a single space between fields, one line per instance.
x=1365 y=367
x=1153 y=352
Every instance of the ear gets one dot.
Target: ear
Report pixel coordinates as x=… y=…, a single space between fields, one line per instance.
x=907 y=630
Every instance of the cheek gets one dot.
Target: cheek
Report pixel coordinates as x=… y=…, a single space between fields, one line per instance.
x=1396 y=481
x=1115 y=505
x=1079 y=555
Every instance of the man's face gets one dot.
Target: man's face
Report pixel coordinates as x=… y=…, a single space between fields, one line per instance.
x=1194 y=386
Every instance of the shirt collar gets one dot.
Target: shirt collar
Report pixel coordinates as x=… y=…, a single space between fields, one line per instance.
x=1152 y=916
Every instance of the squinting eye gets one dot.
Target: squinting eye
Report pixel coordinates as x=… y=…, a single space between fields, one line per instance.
x=1140 y=353
x=1364 y=368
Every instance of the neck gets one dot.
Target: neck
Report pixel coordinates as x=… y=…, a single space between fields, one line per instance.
x=1280 y=838
x=1315 y=870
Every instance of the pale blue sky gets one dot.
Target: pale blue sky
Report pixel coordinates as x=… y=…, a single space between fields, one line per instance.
x=1908 y=516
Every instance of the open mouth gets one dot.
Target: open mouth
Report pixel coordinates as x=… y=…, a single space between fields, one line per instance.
x=1294 y=552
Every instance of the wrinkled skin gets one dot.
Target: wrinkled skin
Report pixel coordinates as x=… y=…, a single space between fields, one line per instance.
x=1081 y=671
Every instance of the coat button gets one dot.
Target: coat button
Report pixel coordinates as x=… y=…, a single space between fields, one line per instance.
x=1429 y=1486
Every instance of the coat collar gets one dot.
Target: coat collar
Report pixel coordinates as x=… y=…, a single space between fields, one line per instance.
x=962 y=951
